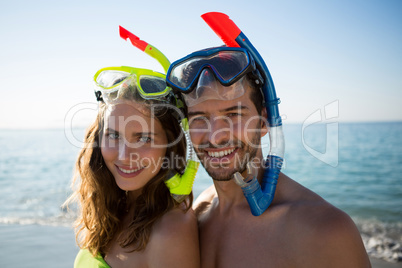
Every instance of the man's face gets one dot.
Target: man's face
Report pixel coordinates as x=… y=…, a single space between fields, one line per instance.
x=226 y=134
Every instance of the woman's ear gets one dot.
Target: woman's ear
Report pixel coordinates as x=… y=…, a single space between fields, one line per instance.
x=264 y=122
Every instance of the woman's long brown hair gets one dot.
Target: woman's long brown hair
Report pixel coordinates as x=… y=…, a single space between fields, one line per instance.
x=103 y=203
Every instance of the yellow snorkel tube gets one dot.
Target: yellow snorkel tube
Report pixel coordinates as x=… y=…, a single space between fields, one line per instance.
x=179 y=185
x=145 y=47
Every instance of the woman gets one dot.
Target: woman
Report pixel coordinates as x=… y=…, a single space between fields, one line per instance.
x=128 y=216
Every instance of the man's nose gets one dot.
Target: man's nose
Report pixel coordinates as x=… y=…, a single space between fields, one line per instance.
x=221 y=129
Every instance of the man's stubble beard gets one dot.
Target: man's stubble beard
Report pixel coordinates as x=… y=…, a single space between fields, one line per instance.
x=244 y=153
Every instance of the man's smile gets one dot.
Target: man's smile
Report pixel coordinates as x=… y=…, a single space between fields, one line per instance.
x=220 y=153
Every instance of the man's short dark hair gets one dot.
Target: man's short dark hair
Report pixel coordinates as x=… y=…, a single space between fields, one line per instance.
x=256 y=95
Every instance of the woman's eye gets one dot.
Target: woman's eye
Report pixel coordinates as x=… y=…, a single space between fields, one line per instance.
x=145 y=139
x=112 y=136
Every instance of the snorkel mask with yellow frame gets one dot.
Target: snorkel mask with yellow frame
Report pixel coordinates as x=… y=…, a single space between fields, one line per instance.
x=114 y=83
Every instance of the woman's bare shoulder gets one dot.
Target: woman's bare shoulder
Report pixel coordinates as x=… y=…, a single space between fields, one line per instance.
x=174 y=240
x=176 y=219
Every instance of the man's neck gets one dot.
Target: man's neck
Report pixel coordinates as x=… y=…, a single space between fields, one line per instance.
x=230 y=195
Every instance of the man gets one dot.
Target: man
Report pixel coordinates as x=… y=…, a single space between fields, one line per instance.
x=299 y=228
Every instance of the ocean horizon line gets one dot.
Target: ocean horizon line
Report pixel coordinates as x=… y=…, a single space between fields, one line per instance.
x=285 y=123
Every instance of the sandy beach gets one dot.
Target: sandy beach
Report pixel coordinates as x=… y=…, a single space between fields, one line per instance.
x=54 y=246
x=37 y=246
x=383 y=264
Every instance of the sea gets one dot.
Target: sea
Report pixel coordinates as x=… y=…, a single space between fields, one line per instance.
x=355 y=166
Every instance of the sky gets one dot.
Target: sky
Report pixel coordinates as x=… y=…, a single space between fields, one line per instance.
x=343 y=57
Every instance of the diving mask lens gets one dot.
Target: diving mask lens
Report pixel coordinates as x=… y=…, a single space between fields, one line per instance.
x=152 y=85
x=208 y=88
x=228 y=64
x=110 y=79
x=113 y=85
x=115 y=82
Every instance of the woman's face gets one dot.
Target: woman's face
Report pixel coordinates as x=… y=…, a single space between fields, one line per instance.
x=133 y=145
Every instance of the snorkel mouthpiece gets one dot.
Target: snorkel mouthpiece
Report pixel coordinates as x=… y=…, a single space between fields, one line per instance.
x=258 y=199
x=181 y=185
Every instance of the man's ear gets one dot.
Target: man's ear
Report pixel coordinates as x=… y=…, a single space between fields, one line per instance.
x=264 y=122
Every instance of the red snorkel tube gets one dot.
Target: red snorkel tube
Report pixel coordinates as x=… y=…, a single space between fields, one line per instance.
x=258 y=199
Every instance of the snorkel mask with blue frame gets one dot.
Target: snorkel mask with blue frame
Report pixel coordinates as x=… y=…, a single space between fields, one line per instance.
x=184 y=74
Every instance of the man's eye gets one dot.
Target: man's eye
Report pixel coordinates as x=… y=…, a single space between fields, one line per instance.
x=198 y=120
x=234 y=114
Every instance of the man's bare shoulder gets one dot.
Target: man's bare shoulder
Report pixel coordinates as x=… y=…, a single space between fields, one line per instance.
x=308 y=210
x=204 y=200
x=317 y=228
x=329 y=232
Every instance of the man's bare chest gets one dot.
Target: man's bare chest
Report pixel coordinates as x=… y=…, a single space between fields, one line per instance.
x=241 y=244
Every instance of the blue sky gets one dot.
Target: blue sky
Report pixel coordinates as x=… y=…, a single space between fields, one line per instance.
x=318 y=52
